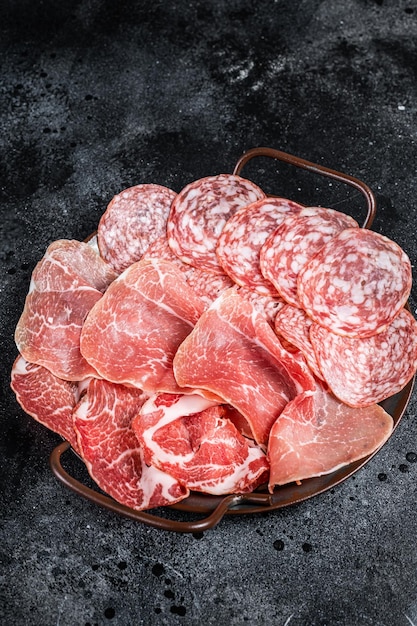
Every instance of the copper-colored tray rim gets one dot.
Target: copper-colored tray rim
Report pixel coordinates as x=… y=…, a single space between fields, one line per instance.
x=213 y=508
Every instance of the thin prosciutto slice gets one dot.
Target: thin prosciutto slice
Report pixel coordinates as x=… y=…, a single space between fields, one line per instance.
x=191 y=438
x=131 y=335
x=111 y=451
x=317 y=434
x=65 y=285
x=48 y=399
x=234 y=353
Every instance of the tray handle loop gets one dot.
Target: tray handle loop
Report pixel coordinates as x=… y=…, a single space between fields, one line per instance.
x=155 y=521
x=315 y=169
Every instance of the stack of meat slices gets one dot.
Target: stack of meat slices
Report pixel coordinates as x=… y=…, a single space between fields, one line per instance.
x=215 y=340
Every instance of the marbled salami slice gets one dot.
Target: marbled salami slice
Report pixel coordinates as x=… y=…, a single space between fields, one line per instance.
x=199 y=213
x=132 y=221
x=295 y=242
x=243 y=236
x=356 y=284
x=361 y=372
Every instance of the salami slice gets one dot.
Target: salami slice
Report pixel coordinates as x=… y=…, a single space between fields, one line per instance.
x=356 y=284
x=295 y=242
x=243 y=236
x=199 y=213
x=132 y=221
x=361 y=372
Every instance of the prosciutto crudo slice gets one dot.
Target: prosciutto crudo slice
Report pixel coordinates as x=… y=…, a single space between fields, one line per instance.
x=199 y=213
x=317 y=434
x=295 y=242
x=234 y=353
x=191 y=438
x=131 y=335
x=111 y=451
x=205 y=285
x=361 y=372
x=240 y=242
x=48 y=399
x=65 y=285
x=132 y=221
x=356 y=284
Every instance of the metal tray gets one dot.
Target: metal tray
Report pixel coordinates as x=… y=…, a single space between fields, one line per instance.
x=210 y=509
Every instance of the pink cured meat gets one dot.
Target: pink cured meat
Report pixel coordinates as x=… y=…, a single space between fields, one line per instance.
x=234 y=353
x=295 y=242
x=241 y=240
x=48 y=399
x=111 y=451
x=199 y=213
x=317 y=434
x=205 y=285
x=133 y=332
x=267 y=305
x=361 y=372
x=132 y=221
x=65 y=285
x=294 y=325
x=356 y=284
x=193 y=441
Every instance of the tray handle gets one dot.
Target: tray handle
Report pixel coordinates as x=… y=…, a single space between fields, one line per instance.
x=155 y=521
x=316 y=169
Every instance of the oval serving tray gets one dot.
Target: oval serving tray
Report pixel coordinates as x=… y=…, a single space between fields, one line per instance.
x=210 y=509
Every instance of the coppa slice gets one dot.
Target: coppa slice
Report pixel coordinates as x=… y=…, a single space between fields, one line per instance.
x=111 y=451
x=243 y=236
x=45 y=397
x=191 y=439
x=132 y=221
x=65 y=285
x=132 y=334
x=234 y=353
x=199 y=213
x=295 y=242
x=317 y=434
x=356 y=284
x=361 y=372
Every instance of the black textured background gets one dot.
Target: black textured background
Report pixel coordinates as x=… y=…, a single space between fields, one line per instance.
x=96 y=96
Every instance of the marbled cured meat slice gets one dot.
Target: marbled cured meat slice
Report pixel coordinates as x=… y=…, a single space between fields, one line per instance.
x=318 y=434
x=205 y=285
x=356 y=284
x=48 y=399
x=363 y=371
x=293 y=324
x=194 y=441
x=295 y=242
x=111 y=451
x=241 y=240
x=234 y=353
x=65 y=285
x=132 y=221
x=199 y=213
x=132 y=334
x=267 y=305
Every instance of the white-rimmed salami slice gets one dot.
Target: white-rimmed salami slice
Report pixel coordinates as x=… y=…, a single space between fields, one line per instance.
x=361 y=372
x=356 y=284
x=293 y=324
x=318 y=434
x=295 y=242
x=132 y=221
x=243 y=236
x=199 y=213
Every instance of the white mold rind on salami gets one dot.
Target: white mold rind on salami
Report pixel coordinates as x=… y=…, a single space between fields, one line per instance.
x=199 y=213
x=295 y=242
x=356 y=284
x=361 y=372
x=132 y=221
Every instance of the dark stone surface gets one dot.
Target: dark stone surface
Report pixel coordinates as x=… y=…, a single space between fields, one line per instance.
x=99 y=95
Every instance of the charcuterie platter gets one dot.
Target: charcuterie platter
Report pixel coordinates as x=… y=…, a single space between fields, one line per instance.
x=220 y=350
